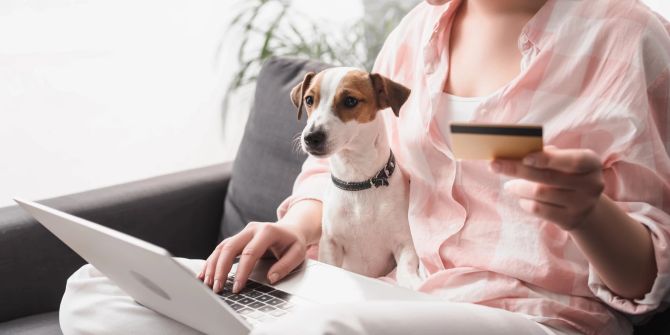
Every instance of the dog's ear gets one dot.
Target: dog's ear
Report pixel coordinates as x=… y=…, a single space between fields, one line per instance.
x=298 y=92
x=389 y=93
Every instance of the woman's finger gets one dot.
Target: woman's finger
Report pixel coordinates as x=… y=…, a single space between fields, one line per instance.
x=574 y=161
x=546 y=211
x=254 y=250
x=206 y=277
x=228 y=252
x=535 y=191
x=202 y=276
x=231 y=242
x=290 y=260
x=545 y=176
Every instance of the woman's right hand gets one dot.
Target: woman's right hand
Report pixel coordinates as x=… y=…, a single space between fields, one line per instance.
x=283 y=240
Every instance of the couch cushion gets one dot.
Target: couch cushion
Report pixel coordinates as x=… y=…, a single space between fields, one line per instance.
x=43 y=324
x=267 y=162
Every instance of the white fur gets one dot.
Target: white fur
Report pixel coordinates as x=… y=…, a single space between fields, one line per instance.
x=363 y=231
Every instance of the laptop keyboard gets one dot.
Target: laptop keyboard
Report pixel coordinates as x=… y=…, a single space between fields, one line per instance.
x=257 y=302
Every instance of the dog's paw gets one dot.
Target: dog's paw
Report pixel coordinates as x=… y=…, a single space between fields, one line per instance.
x=409 y=280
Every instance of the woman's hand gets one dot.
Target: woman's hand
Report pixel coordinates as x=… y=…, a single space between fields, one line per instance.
x=286 y=239
x=255 y=240
x=565 y=187
x=560 y=185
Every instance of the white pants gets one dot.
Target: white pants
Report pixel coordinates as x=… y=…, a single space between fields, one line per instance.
x=92 y=304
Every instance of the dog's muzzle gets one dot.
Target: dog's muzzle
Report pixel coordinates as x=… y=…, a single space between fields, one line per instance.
x=315 y=142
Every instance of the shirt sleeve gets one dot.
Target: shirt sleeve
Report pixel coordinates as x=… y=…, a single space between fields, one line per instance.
x=310 y=184
x=638 y=179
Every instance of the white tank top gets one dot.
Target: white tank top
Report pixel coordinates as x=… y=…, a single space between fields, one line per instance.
x=456 y=109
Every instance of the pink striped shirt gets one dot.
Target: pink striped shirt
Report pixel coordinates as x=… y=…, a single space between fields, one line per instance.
x=596 y=74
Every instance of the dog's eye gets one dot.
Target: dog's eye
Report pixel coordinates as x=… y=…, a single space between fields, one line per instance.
x=350 y=102
x=309 y=100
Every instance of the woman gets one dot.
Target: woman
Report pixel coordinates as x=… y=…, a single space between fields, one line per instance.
x=566 y=241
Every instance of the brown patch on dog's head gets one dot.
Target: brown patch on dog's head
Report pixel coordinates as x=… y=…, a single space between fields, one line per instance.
x=358 y=96
x=298 y=92
x=354 y=98
x=361 y=95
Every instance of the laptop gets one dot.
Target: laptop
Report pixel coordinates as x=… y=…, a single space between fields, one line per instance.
x=151 y=276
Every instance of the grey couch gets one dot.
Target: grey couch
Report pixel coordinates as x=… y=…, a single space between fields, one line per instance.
x=186 y=213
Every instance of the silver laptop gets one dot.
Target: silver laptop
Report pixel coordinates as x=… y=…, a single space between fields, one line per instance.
x=151 y=276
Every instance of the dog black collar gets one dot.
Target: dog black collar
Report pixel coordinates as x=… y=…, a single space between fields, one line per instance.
x=381 y=179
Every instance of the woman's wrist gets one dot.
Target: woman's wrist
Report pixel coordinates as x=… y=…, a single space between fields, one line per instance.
x=605 y=218
x=304 y=219
x=593 y=220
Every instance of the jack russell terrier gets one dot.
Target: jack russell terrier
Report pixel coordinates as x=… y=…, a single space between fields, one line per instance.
x=365 y=227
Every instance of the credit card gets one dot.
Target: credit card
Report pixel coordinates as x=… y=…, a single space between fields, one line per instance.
x=490 y=141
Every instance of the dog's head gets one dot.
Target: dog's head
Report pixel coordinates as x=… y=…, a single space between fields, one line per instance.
x=338 y=101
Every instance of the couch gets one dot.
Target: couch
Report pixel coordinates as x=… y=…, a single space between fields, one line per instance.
x=187 y=212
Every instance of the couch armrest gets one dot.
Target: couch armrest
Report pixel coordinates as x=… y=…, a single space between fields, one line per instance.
x=180 y=212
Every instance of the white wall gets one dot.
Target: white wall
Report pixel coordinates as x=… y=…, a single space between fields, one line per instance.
x=95 y=93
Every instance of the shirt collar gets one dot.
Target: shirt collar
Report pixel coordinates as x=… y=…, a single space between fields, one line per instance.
x=440 y=22
x=535 y=33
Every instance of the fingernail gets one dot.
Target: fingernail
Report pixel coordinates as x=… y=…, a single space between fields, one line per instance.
x=217 y=286
x=273 y=277
x=526 y=205
x=496 y=166
x=206 y=281
x=236 y=287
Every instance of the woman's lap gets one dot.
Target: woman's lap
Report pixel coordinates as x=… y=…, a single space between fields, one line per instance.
x=402 y=317
x=92 y=304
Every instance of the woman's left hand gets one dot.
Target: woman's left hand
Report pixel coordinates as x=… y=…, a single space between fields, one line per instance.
x=559 y=185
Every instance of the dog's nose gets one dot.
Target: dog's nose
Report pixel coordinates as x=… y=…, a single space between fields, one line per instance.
x=315 y=139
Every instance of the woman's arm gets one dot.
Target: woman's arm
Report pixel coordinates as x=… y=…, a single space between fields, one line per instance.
x=619 y=248
x=304 y=217
x=565 y=187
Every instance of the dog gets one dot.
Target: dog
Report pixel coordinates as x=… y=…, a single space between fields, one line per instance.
x=365 y=227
